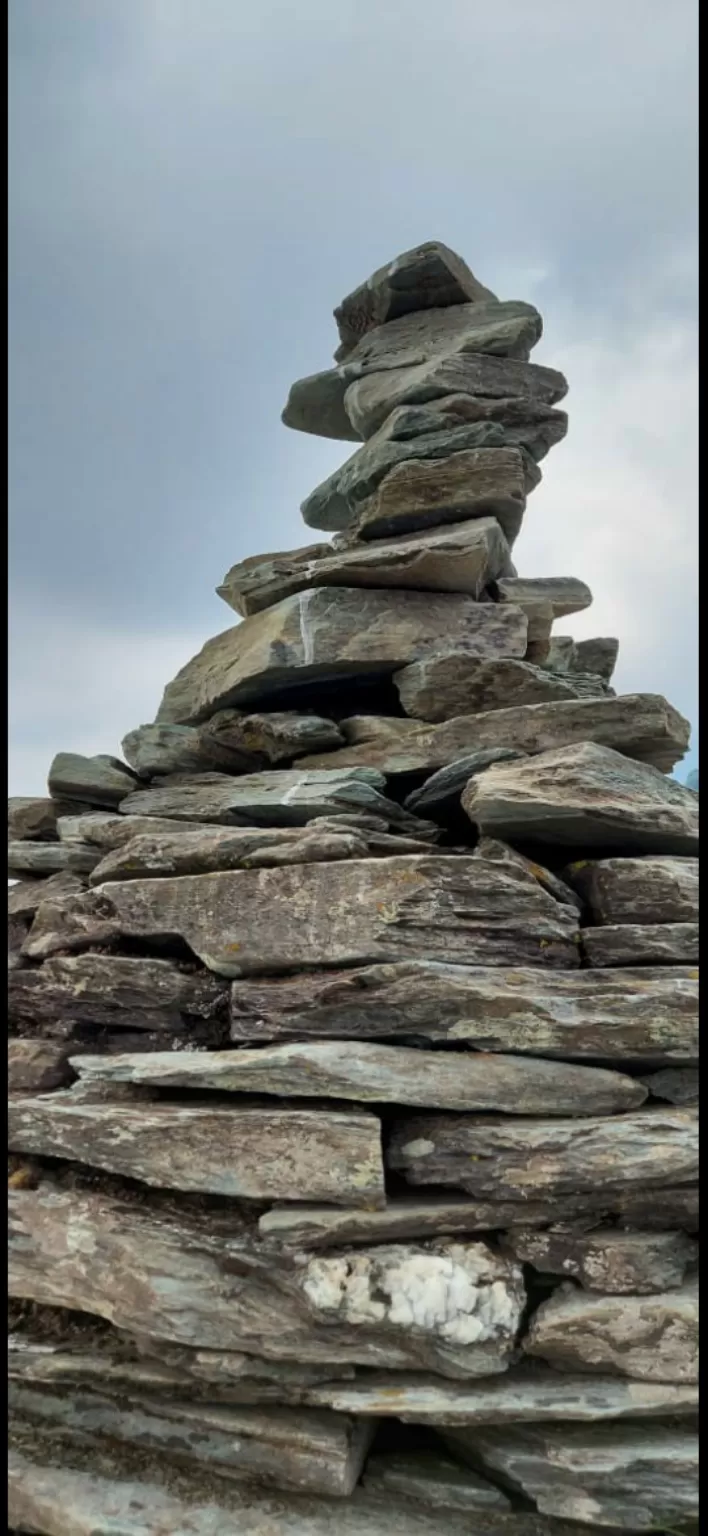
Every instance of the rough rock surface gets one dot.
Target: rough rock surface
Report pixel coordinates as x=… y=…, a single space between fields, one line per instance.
x=646 y=890
x=101 y=781
x=430 y=276
x=651 y=1338
x=37 y=1066
x=369 y=400
x=490 y=481
x=641 y=944
x=457 y=683
x=608 y=1260
x=30 y=817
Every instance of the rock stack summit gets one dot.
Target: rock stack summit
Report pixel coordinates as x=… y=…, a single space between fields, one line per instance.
x=353 y=1036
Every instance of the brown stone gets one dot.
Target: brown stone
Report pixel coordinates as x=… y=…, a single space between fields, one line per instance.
x=369 y=400
x=37 y=1066
x=630 y=944
x=113 y=991
x=650 y=1338
x=30 y=817
x=608 y=1260
x=458 y=683
x=644 y=890
x=425 y=493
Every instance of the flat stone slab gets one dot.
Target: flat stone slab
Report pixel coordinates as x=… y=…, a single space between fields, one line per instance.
x=323 y=1226
x=628 y=944
x=564 y=594
x=464 y=557
x=24 y=898
x=634 y=1477
x=489 y=481
x=321 y=635
x=650 y=1338
x=608 y=1260
x=369 y=400
x=642 y=1016
x=101 y=781
x=30 y=817
x=205 y=1282
x=597 y=655
x=430 y=276
x=258 y=1154
x=37 y=1066
x=521 y=1395
x=432 y=1481
x=491 y=1157
x=675 y=1085
x=641 y=726
x=113 y=991
x=457 y=683
x=45 y=858
x=646 y=890
x=439 y=796
x=250 y=921
x=379 y=1074
x=584 y=795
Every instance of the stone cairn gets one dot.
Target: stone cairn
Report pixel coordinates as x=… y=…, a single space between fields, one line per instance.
x=352 y=1020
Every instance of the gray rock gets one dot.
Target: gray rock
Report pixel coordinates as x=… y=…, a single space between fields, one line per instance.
x=268 y=739
x=423 y=493
x=45 y=858
x=458 y=683
x=316 y=404
x=624 y=944
x=273 y=920
x=492 y=848
x=380 y=1074
x=489 y=1156
x=37 y=1066
x=429 y=1479
x=641 y=725
x=643 y=1016
x=113 y=992
x=565 y=594
x=430 y=276
x=676 y=1085
x=561 y=654
x=650 y=1338
x=440 y=794
x=101 y=781
x=597 y=655
x=634 y=1477
x=24 y=898
x=326 y=1226
x=320 y=636
x=584 y=795
x=368 y=401
x=107 y=830
x=161 y=749
x=608 y=1260
x=257 y=1154
x=460 y=558
x=30 y=817
x=644 y=890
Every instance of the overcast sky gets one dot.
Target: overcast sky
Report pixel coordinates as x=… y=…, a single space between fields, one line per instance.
x=194 y=184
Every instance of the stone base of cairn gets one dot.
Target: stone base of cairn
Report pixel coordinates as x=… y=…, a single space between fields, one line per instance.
x=353 y=1028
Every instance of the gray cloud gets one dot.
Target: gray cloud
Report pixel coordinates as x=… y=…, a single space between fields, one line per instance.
x=192 y=189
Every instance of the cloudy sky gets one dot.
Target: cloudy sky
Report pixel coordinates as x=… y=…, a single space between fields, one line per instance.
x=194 y=184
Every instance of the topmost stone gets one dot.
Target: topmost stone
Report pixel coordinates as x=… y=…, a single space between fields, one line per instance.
x=429 y=277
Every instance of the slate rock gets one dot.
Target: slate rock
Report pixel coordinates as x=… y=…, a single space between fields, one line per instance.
x=268 y=739
x=629 y=944
x=607 y=1260
x=453 y=683
x=642 y=726
x=597 y=655
x=526 y=423
x=650 y=1338
x=319 y=636
x=45 y=858
x=369 y=400
x=406 y=1216
x=430 y=276
x=565 y=594
x=440 y=795
x=113 y=992
x=490 y=481
x=584 y=795
x=220 y=848
x=503 y=328
x=37 y=1066
x=430 y=1479
x=30 y=817
x=489 y=1156
x=162 y=749
x=643 y=890
x=101 y=781
x=252 y=921
x=24 y=898
x=460 y=558
x=675 y=1085
x=379 y=1074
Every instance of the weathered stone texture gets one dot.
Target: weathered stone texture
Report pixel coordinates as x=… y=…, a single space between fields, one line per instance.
x=650 y=1338
x=645 y=890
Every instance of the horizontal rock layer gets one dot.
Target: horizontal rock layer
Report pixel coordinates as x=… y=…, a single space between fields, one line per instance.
x=650 y=1338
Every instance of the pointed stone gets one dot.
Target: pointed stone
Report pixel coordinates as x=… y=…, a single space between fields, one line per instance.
x=650 y=1338
x=30 y=817
x=492 y=848
x=643 y=890
x=379 y=1074
x=607 y=1260
x=270 y=920
x=584 y=795
x=490 y=481
x=320 y=636
x=630 y=944
x=642 y=1016
x=369 y=400
x=101 y=781
x=430 y=276
x=460 y=558
x=256 y=1154
x=113 y=992
x=491 y=1157
x=439 y=796
x=458 y=683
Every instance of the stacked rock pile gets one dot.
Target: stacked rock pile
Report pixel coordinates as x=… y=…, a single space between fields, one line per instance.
x=353 y=1032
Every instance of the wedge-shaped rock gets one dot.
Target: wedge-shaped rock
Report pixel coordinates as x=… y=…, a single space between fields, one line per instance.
x=439 y=796
x=608 y=1260
x=597 y=655
x=30 y=817
x=492 y=848
x=642 y=726
x=215 y=848
x=320 y=636
x=584 y=795
x=676 y=1085
x=369 y=400
x=651 y=1338
x=648 y=890
x=113 y=991
x=430 y=276
x=302 y=1450
x=634 y=1477
x=252 y=921
x=461 y=558
x=203 y=1282
x=630 y=944
x=644 y=1016
x=379 y=1074
x=261 y=1154
x=268 y=739
x=430 y=1479
x=45 y=858
x=491 y=481
x=531 y=1394
x=36 y=1066
x=160 y=749
x=511 y=1159
x=68 y=1500
x=283 y=797
x=456 y=683
x=101 y=781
